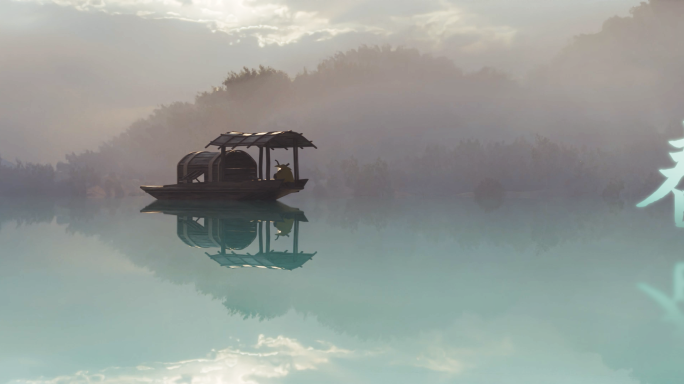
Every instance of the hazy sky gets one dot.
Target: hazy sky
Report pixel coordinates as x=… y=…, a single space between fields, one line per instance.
x=75 y=72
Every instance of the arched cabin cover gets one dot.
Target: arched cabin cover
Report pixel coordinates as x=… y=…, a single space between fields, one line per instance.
x=232 y=234
x=238 y=166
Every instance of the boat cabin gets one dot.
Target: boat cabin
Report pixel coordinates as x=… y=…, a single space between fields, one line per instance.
x=235 y=165
x=213 y=166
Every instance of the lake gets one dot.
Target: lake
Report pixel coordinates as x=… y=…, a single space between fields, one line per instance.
x=340 y=291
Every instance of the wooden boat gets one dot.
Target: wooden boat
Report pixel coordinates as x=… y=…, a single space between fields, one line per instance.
x=245 y=190
x=233 y=174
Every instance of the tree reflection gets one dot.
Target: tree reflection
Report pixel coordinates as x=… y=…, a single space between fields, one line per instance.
x=395 y=269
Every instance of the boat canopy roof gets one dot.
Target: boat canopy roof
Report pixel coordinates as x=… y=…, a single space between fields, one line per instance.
x=276 y=139
x=269 y=260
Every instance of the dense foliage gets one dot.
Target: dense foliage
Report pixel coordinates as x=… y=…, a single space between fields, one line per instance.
x=28 y=179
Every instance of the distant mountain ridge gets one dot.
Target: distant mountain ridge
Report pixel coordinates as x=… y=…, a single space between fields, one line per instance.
x=6 y=163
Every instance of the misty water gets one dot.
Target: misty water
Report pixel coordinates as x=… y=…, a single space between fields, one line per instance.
x=401 y=291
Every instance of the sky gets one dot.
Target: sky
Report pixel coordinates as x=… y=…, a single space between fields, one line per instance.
x=74 y=73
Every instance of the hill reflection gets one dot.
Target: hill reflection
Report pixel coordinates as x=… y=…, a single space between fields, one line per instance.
x=395 y=270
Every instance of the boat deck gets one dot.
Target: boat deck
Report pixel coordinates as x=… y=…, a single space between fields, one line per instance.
x=244 y=190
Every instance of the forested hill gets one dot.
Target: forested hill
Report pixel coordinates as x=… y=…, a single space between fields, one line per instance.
x=626 y=79
x=373 y=101
x=599 y=113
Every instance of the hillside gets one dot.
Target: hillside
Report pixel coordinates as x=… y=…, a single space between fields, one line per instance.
x=601 y=111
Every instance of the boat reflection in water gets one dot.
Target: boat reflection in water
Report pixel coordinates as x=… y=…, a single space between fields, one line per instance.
x=233 y=226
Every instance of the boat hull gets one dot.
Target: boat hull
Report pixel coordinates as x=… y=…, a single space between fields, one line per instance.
x=244 y=190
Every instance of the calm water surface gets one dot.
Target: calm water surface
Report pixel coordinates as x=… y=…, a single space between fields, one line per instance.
x=340 y=291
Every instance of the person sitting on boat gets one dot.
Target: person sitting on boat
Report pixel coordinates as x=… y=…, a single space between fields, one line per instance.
x=284 y=173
